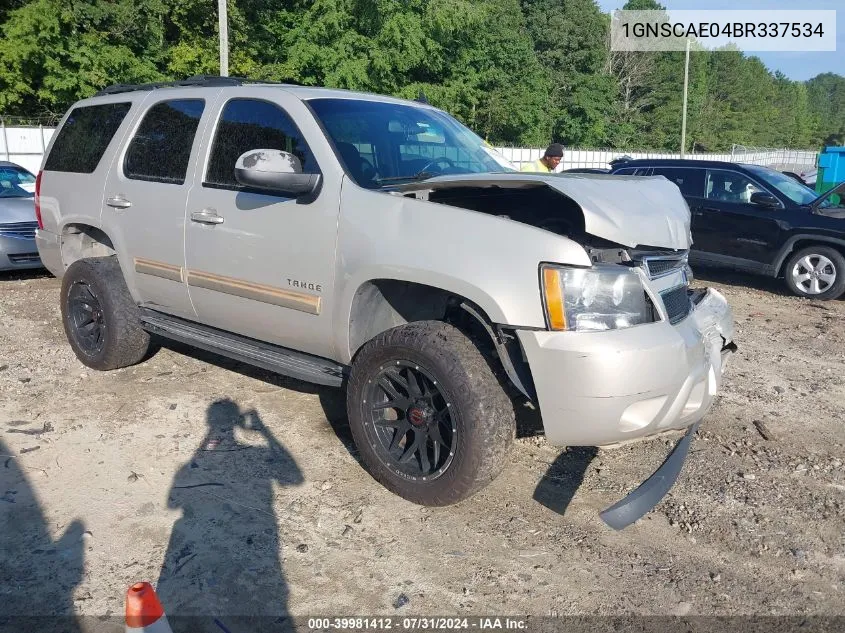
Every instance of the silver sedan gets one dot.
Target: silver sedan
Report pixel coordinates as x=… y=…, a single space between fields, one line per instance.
x=17 y=218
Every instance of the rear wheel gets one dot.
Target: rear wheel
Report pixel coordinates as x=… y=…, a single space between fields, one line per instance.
x=816 y=272
x=429 y=418
x=101 y=321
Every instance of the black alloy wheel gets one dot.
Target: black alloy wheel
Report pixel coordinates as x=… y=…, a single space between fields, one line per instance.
x=412 y=421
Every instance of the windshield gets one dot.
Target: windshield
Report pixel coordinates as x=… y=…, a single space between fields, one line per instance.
x=791 y=188
x=382 y=143
x=16 y=182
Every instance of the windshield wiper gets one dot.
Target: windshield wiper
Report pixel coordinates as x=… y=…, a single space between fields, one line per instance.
x=422 y=175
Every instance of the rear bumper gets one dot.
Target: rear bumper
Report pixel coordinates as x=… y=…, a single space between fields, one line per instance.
x=602 y=388
x=50 y=250
x=18 y=254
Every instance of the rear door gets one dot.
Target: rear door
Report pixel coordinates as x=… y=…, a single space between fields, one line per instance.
x=146 y=192
x=704 y=226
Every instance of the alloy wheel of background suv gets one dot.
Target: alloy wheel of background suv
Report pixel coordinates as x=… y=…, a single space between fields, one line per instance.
x=816 y=272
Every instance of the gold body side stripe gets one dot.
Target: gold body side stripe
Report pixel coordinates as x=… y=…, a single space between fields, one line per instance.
x=257 y=292
x=158 y=269
x=229 y=285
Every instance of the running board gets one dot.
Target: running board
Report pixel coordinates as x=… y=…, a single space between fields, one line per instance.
x=274 y=358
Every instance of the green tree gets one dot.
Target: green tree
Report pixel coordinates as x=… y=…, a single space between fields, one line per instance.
x=569 y=41
x=516 y=71
x=52 y=53
x=826 y=96
x=473 y=59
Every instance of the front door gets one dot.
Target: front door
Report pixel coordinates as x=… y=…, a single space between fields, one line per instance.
x=145 y=196
x=257 y=264
x=743 y=233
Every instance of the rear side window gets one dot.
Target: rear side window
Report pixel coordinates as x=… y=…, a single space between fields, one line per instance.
x=247 y=124
x=632 y=171
x=689 y=181
x=161 y=148
x=84 y=137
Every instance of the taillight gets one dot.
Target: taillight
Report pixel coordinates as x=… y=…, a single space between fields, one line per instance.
x=38 y=200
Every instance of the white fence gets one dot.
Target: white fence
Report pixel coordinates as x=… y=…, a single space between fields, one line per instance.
x=25 y=146
x=783 y=159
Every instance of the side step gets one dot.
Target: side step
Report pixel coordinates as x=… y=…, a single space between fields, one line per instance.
x=277 y=359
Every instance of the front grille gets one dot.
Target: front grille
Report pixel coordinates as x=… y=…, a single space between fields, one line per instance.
x=25 y=258
x=19 y=230
x=657 y=267
x=677 y=303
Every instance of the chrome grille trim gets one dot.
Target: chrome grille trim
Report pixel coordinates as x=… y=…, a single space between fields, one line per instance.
x=677 y=303
x=660 y=266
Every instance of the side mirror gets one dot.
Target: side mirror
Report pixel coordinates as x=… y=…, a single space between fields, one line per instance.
x=273 y=170
x=763 y=199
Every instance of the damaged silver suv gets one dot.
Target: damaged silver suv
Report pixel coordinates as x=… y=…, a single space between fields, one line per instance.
x=359 y=240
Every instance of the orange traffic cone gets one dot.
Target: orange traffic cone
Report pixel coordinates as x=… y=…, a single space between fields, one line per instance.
x=144 y=612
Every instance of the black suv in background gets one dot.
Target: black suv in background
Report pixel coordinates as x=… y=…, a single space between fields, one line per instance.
x=756 y=219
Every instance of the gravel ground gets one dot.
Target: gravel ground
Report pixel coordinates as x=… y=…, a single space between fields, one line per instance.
x=138 y=474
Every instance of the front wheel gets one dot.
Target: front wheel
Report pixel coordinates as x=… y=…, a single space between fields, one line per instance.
x=816 y=272
x=429 y=418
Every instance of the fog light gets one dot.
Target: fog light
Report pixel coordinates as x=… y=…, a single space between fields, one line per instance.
x=640 y=414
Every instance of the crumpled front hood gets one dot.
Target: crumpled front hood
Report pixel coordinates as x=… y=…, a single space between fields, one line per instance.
x=628 y=210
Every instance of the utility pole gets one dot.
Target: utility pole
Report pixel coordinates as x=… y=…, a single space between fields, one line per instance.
x=224 y=37
x=684 y=115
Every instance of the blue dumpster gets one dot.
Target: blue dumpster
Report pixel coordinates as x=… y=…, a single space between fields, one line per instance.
x=831 y=168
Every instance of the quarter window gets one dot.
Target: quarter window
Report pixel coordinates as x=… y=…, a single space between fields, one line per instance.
x=689 y=181
x=161 y=148
x=632 y=171
x=84 y=137
x=729 y=186
x=247 y=124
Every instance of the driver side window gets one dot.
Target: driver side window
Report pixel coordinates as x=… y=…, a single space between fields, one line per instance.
x=729 y=186
x=247 y=124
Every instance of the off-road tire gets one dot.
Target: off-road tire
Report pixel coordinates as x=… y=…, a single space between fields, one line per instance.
x=482 y=412
x=124 y=341
x=835 y=290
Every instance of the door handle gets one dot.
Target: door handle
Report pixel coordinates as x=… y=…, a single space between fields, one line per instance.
x=118 y=202
x=206 y=216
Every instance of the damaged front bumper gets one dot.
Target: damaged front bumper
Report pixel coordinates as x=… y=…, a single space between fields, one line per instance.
x=649 y=493
x=608 y=388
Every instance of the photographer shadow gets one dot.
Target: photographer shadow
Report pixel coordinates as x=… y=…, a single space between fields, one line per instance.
x=38 y=575
x=222 y=570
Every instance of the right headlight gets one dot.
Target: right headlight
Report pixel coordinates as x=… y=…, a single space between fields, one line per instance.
x=603 y=297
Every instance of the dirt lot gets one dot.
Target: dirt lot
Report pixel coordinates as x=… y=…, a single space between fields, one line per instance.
x=111 y=478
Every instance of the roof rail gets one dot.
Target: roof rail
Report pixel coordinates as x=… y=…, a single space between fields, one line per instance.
x=198 y=81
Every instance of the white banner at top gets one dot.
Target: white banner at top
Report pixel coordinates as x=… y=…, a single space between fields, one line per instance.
x=747 y=30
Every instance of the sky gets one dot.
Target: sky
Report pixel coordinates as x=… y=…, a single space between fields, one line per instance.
x=800 y=66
